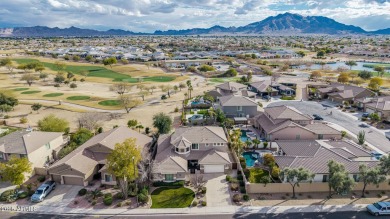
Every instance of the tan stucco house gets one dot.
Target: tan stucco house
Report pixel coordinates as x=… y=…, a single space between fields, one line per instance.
x=231 y=88
x=287 y=123
x=40 y=148
x=340 y=93
x=192 y=150
x=380 y=105
x=88 y=160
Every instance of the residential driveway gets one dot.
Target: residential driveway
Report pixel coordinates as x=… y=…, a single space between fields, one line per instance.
x=217 y=190
x=61 y=196
x=345 y=120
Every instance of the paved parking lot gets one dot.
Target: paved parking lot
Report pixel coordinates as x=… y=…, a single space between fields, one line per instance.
x=346 y=120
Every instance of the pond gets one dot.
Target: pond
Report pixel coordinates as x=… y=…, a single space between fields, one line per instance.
x=334 y=65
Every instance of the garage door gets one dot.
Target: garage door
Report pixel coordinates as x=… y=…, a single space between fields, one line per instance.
x=69 y=180
x=214 y=168
x=56 y=178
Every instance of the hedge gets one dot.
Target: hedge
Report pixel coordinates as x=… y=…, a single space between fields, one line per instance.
x=161 y=183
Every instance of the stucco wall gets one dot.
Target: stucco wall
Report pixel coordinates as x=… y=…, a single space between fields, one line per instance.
x=305 y=187
x=231 y=111
x=38 y=157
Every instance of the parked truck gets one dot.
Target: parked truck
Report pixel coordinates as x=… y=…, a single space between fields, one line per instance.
x=43 y=191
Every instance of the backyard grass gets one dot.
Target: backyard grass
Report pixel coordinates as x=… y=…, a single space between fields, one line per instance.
x=172 y=197
x=98 y=71
x=53 y=95
x=109 y=103
x=78 y=98
x=255 y=175
x=31 y=92
x=21 y=89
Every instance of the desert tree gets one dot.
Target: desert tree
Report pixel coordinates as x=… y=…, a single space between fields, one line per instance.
x=339 y=179
x=294 y=176
x=36 y=107
x=128 y=102
x=29 y=78
x=121 y=88
x=91 y=120
x=162 y=122
x=370 y=176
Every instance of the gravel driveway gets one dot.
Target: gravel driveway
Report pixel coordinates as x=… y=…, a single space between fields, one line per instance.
x=373 y=136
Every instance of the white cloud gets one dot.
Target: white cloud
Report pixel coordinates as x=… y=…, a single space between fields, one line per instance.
x=149 y=15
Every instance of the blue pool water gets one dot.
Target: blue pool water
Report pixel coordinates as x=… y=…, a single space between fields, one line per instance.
x=244 y=137
x=251 y=157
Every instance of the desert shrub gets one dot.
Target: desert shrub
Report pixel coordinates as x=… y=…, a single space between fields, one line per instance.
x=143 y=198
x=8 y=196
x=228 y=178
x=119 y=204
x=107 y=200
x=236 y=197
x=194 y=203
x=23 y=120
x=93 y=202
x=240 y=177
x=41 y=178
x=234 y=187
x=204 y=190
x=128 y=202
x=243 y=190
x=245 y=197
x=234 y=180
x=343 y=133
x=204 y=203
x=242 y=183
x=118 y=195
x=82 y=192
x=239 y=172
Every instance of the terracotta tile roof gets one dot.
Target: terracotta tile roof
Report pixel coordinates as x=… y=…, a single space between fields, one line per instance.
x=235 y=100
x=25 y=142
x=232 y=86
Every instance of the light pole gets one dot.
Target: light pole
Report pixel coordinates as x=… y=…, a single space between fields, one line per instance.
x=135 y=181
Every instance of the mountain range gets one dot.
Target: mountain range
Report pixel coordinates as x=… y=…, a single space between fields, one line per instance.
x=282 y=24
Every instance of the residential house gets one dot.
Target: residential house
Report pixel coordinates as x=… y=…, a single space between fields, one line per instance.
x=192 y=150
x=287 y=123
x=340 y=93
x=231 y=88
x=263 y=88
x=237 y=106
x=314 y=156
x=380 y=105
x=40 y=148
x=88 y=161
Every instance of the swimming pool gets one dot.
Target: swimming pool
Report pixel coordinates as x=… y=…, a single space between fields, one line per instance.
x=251 y=158
x=244 y=137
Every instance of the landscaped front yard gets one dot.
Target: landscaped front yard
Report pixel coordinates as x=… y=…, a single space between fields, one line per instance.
x=172 y=197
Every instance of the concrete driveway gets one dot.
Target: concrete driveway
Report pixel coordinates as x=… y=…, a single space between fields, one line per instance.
x=61 y=196
x=217 y=190
x=345 y=120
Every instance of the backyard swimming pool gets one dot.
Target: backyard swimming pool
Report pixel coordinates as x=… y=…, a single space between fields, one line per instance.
x=251 y=158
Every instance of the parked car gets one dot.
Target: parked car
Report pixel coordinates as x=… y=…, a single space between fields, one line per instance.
x=364 y=125
x=43 y=191
x=387 y=134
x=266 y=97
x=379 y=208
x=317 y=117
x=365 y=115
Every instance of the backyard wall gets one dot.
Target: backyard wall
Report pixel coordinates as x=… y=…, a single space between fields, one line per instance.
x=253 y=188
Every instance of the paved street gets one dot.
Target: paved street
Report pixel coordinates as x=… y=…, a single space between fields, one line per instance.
x=332 y=215
x=374 y=137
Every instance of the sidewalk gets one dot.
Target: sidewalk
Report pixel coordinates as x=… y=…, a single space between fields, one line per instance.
x=191 y=211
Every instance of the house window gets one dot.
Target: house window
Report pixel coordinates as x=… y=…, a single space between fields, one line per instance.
x=207 y=144
x=187 y=149
x=325 y=178
x=195 y=147
x=1 y=156
x=356 y=178
x=320 y=136
x=47 y=146
x=168 y=177
x=177 y=149
x=107 y=177
x=239 y=108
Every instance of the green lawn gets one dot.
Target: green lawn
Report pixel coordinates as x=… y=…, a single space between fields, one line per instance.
x=222 y=80
x=53 y=95
x=255 y=175
x=97 y=71
x=172 y=197
x=21 y=89
x=31 y=92
x=78 y=98
x=109 y=103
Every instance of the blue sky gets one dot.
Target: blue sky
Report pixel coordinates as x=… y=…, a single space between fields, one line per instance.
x=150 y=15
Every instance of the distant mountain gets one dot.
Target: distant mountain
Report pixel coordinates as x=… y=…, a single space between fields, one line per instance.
x=286 y=24
x=41 y=31
x=383 y=31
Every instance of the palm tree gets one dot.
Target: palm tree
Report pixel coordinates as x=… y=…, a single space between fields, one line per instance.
x=190 y=89
x=256 y=142
x=212 y=113
x=248 y=143
x=139 y=127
